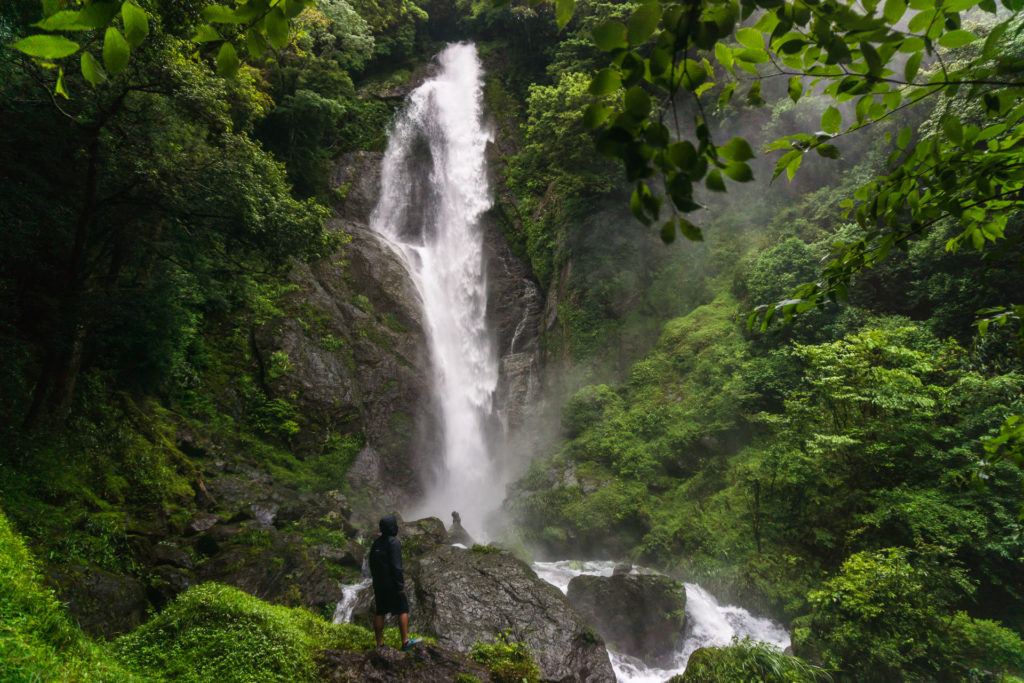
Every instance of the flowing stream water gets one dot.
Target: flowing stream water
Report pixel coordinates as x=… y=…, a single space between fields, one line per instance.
x=708 y=623
x=434 y=188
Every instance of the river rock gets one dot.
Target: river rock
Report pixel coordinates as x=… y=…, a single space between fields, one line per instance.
x=641 y=615
x=424 y=664
x=467 y=596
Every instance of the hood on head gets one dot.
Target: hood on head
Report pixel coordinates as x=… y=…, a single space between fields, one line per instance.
x=389 y=525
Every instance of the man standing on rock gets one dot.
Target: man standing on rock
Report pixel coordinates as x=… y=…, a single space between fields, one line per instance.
x=389 y=582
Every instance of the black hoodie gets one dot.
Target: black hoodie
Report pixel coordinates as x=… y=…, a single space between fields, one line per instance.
x=386 y=559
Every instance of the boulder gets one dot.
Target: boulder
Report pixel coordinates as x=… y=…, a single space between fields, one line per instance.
x=102 y=602
x=466 y=596
x=640 y=615
x=424 y=664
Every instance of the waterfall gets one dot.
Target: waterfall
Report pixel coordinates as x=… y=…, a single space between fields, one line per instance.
x=709 y=623
x=434 y=189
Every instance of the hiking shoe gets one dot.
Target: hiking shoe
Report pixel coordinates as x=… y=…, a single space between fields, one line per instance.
x=410 y=644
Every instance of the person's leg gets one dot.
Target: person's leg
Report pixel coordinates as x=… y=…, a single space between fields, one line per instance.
x=403 y=626
x=378 y=629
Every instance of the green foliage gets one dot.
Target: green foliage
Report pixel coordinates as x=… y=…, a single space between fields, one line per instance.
x=888 y=615
x=508 y=661
x=216 y=632
x=38 y=641
x=746 y=660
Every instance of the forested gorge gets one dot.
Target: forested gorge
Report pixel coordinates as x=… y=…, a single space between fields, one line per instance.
x=753 y=278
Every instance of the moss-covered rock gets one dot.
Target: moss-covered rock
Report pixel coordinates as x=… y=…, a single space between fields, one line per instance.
x=214 y=632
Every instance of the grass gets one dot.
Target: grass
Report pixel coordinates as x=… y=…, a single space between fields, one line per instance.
x=38 y=641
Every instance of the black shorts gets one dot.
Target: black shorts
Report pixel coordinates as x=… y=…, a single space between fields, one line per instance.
x=390 y=603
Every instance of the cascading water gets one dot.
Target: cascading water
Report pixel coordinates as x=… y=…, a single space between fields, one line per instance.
x=433 y=190
x=708 y=622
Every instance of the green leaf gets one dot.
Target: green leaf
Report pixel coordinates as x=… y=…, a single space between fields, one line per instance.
x=115 y=51
x=994 y=36
x=827 y=151
x=714 y=181
x=957 y=38
x=638 y=102
x=723 y=54
x=668 y=232
x=595 y=114
x=92 y=72
x=605 y=81
x=220 y=14
x=43 y=46
x=136 y=23
x=94 y=16
x=894 y=10
x=227 y=60
x=563 y=12
x=831 y=120
x=690 y=231
x=255 y=43
x=739 y=171
x=643 y=22
x=276 y=26
x=750 y=37
x=912 y=65
x=206 y=34
x=953 y=128
x=796 y=88
x=737 y=149
x=611 y=35
x=59 y=87
x=683 y=155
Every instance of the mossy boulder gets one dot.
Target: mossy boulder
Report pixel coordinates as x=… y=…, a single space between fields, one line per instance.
x=214 y=632
x=641 y=615
x=465 y=596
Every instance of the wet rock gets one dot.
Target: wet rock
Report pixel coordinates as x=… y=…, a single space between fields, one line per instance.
x=641 y=615
x=355 y=178
x=350 y=556
x=202 y=522
x=622 y=568
x=357 y=352
x=466 y=596
x=264 y=513
x=166 y=582
x=166 y=552
x=103 y=603
x=457 y=533
x=424 y=664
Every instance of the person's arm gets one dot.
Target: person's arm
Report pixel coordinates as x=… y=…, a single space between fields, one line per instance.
x=397 y=574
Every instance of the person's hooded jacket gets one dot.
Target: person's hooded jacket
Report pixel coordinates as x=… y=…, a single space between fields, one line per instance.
x=386 y=559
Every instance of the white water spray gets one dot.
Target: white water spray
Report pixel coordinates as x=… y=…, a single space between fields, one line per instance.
x=433 y=191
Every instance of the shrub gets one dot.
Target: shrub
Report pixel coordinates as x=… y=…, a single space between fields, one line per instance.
x=746 y=660
x=507 y=660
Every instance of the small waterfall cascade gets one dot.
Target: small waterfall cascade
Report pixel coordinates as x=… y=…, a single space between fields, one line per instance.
x=709 y=623
x=434 y=188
